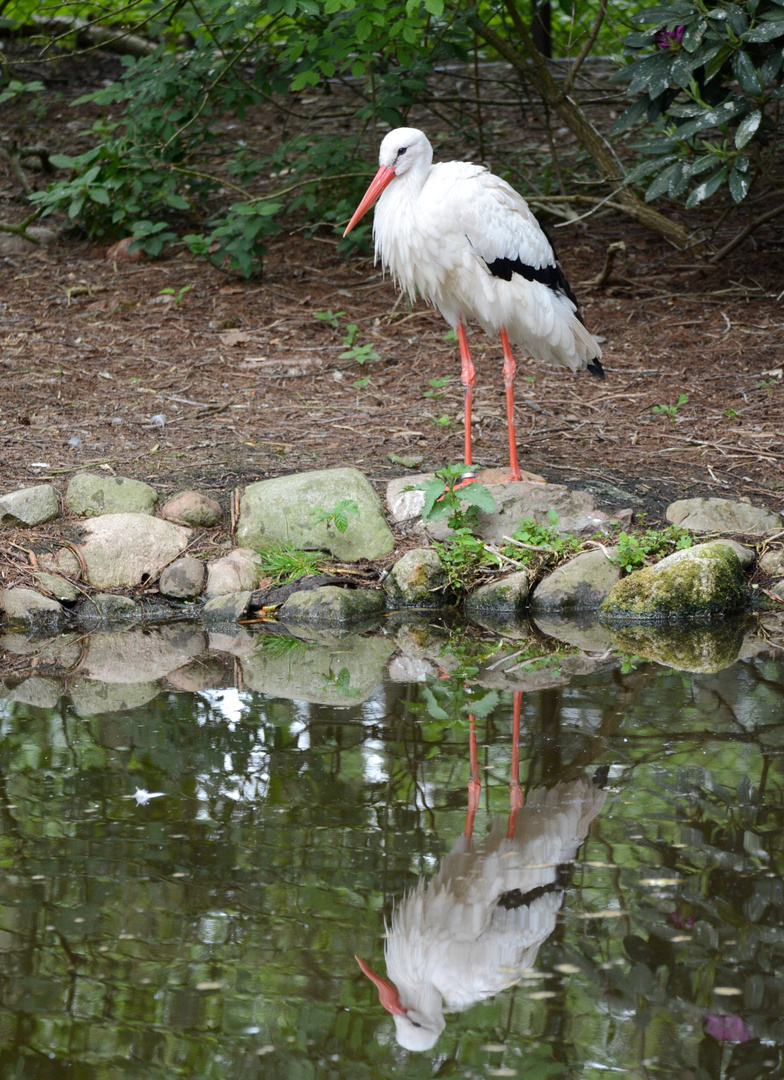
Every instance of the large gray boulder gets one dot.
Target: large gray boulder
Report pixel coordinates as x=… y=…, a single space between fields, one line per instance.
x=722 y=516
x=578 y=585
x=125 y=549
x=89 y=493
x=702 y=582
x=29 y=506
x=281 y=511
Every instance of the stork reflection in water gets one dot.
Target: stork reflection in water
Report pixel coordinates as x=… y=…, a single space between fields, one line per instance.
x=477 y=926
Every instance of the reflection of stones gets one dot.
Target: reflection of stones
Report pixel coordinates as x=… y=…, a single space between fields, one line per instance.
x=687 y=648
x=585 y=633
x=94 y=698
x=206 y=673
x=137 y=656
x=695 y=583
x=39 y=691
x=534 y=673
x=331 y=671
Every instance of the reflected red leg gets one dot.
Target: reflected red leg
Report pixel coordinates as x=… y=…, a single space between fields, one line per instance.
x=515 y=791
x=474 y=783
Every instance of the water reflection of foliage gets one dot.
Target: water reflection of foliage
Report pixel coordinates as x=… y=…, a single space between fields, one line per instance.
x=715 y=962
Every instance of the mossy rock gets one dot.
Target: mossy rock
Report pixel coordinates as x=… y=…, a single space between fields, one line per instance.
x=698 y=583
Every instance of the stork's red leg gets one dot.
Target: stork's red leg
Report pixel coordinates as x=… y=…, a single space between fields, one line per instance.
x=468 y=378
x=510 y=368
x=474 y=783
x=515 y=791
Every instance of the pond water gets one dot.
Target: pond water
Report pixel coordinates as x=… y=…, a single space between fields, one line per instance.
x=193 y=857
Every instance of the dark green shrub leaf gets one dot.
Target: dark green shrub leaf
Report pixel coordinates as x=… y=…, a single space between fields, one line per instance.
x=746 y=128
x=707 y=188
x=740 y=182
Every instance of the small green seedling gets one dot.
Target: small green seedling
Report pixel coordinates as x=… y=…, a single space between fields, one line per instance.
x=671 y=410
x=329 y=316
x=730 y=414
x=178 y=295
x=635 y=548
x=360 y=353
x=450 y=335
x=437 y=384
x=443 y=421
x=362 y=383
x=338 y=515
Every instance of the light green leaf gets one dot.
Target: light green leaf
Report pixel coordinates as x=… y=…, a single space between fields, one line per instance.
x=747 y=127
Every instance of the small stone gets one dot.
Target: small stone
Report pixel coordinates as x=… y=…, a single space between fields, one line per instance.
x=331 y=605
x=228 y=607
x=182 y=579
x=20 y=604
x=110 y=608
x=93 y=495
x=407 y=461
x=233 y=573
x=772 y=562
x=405 y=498
x=192 y=508
x=702 y=582
x=59 y=588
x=29 y=506
x=510 y=594
x=722 y=516
x=578 y=585
x=417 y=579
x=64 y=561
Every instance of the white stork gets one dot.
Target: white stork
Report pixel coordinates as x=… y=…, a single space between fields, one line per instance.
x=469 y=244
x=477 y=926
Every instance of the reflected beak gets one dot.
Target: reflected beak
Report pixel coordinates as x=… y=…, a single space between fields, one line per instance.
x=384 y=176
x=387 y=991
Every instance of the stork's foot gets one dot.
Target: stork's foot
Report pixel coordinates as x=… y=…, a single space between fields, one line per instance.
x=502 y=476
x=468 y=477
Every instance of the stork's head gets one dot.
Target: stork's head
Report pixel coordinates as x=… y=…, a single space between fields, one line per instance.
x=415 y=1028
x=404 y=150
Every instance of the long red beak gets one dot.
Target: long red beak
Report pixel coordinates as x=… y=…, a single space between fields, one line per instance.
x=384 y=176
x=387 y=991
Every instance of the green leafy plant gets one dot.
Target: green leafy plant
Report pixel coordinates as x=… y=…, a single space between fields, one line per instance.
x=360 y=353
x=337 y=516
x=436 y=385
x=637 y=548
x=671 y=410
x=330 y=317
x=340 y=682
x=446 y=498
x=708 y=76
x=176 y=293
x=538 y=545
x=283 y=563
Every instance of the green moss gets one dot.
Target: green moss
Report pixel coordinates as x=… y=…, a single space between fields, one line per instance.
x=698 y=583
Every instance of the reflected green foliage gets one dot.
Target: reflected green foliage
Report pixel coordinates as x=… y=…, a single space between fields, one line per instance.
x=210 y=932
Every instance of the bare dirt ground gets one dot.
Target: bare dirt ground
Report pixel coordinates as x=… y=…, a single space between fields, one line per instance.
x=239 y=381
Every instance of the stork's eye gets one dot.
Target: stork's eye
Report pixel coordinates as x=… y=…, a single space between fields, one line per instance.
x=416 y=1024
x=402 y=151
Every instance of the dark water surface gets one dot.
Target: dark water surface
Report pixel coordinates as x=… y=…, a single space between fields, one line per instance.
x=187 y=875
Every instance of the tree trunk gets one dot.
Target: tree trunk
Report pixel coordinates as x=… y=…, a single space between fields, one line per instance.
x=537 y=73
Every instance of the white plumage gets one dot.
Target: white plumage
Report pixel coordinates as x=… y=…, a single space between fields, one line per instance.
x=467 y=242
x=478 y=925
